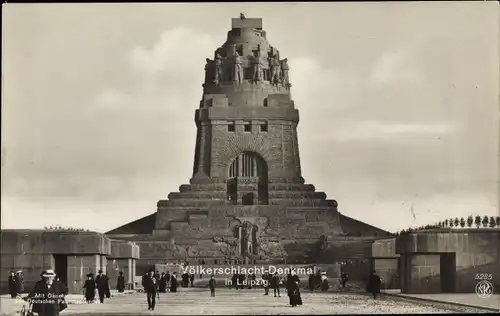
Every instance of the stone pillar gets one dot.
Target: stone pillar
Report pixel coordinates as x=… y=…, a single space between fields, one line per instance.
x=239 y=240
x=133 y=272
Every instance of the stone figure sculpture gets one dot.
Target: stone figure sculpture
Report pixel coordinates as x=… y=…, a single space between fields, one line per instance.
x=208 y=71
x=238 y=68
x=275 y=69
x=258 y=72
x=284 y=72
x=218 y=78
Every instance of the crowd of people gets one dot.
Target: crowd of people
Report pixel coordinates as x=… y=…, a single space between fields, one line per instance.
x=42 y=296
x=16 y=283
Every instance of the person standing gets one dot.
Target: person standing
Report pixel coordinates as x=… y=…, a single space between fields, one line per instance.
x=191 y=279
x=211 y=285
x=89 y=288
x=275 y=283
x=48 y=295
x=20 y=281
x=293 y=289
x=13 y=289
x=241 y=280
x=120 y=282
x=344 y=278
x=150 y=286
x=324 y=282
x=311 y=281
x=374 y=283
x=162 y=283
x=102 y=284
x=185 y=280
x=234 y=281
x=266 y=279
x=167 y=279
x=173 y=283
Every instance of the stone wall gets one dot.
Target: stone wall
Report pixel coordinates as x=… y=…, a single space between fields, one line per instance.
x=80 y=253
x=423 y=256
x=123 y=258
x=385 y=261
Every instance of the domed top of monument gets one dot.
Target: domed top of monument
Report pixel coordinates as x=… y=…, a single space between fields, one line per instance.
x=246 y=63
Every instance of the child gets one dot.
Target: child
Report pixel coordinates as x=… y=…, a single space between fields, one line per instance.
x=211 y=285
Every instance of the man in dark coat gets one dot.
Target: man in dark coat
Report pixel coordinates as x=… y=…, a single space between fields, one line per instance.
x=167 y=279
x=191 y=279
x=120 y=282
x=48 y=295
x=150 y=286
x=20 y=281
x=275 y=283
x=90 y=288
x=13 y=290
x=374 y=283
x=266 y=281
x=241 y=280
x=234 y=281
x=311 y=281
x=211 y=285
x=292 y=286
x=173 y=283
x=102 y=285
x=162 y=283
x=344 y=278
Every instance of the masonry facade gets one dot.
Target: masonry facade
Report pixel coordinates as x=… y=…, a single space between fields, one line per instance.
x=247 y=200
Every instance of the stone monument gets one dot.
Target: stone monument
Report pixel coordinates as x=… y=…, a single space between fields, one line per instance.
x=247 y=201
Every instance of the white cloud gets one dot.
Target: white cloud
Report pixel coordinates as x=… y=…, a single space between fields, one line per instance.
x=378 y=130
x=178 y=49
x=111 y=99
x=393 y=66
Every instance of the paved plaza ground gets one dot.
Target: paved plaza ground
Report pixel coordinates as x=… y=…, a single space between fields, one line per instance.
x=240 y=302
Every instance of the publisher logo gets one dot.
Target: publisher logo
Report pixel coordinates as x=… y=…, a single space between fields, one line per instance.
x=484 y=289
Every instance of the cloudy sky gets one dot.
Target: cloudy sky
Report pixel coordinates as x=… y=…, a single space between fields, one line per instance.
x=398 y=104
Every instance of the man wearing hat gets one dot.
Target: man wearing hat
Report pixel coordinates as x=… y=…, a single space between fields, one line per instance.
x=13 y=289
x=48 y=295
x=90 y=288
x=102 y=284
x=150 y=284
x=20 y=281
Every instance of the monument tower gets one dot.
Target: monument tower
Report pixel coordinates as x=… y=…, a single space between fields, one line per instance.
x=246 y=200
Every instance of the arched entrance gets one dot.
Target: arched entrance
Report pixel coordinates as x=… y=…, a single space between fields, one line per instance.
x=247 y=182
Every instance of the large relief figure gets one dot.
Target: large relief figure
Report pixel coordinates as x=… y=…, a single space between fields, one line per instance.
x=238 y=68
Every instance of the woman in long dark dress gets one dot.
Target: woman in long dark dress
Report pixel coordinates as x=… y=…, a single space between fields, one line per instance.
x=293 y=289
x=162 y=284
x=173 y=283
x=89 y=287
x=120 y=283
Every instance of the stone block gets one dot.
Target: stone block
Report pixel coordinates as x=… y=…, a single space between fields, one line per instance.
x=255 y=23
x=123 y=249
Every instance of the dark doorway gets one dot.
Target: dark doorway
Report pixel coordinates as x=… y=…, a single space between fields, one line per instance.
x=61 y=267
x=248 y=199
x=263 y=194
x=232 y=192
x=448 y=269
